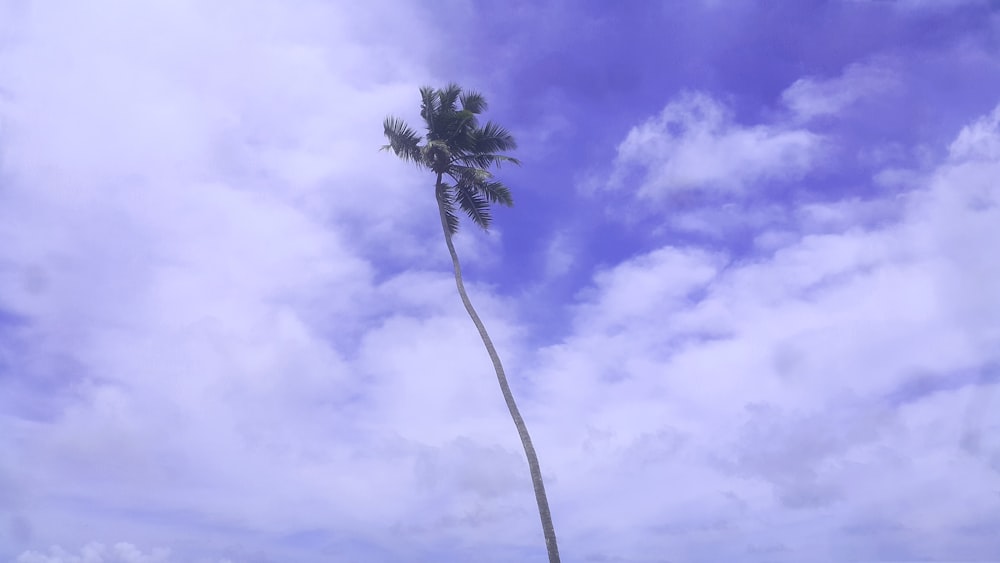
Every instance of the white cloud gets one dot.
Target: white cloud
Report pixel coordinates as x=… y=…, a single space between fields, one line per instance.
x=918 y=7
x=666 y=277
x=475 y=246
x=809 y=98
x=823 y=388
x=99 y=553
x=703 y=173
x=978 y=141
x=694 y=144
x=559 y=255
x=191 y=239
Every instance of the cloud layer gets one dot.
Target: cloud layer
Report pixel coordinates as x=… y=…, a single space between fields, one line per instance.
x=695 y=144
x=229 y=332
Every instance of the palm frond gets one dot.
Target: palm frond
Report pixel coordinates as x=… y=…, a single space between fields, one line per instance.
x=457 y=129
x=496 y=192
x=474 y=204
x=492 y=138
x=430 y=111
x=481 y=182
x=473 y=102
x=428 y=101
x=403 y=140
x=448 y=98
x=484 y=161
x=468 y=174
x=446 y=200
x=463 y=139
x=456 y=146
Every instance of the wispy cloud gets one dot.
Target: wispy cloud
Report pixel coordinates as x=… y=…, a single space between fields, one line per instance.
x=786 y=371
x=694 y=144
x=810 y=98
x=99 y=553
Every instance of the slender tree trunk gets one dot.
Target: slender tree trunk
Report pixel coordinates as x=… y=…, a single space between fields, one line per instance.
x=522 y=430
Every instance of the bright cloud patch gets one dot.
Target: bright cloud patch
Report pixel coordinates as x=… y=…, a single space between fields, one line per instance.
x=834 y=381
x=694 y=144
x=979 y=141
x=187 y=334
x=99 y=553
x=810 y=98
x=920 y=7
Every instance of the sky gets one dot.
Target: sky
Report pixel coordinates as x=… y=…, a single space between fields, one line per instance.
x=746 y=296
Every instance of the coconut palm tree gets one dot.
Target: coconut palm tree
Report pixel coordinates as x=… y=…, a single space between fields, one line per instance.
x=460 y=152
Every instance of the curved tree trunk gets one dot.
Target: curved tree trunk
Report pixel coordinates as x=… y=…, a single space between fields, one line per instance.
x=522 y=429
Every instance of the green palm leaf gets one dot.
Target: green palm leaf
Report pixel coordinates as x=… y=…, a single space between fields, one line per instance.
x=475 y=205
x=403 y=141
x=473 y=102
x=448 y=98
x=496 y=192
x=446 y=201
x=484 y=161
x=456 y=146
x=492 y=138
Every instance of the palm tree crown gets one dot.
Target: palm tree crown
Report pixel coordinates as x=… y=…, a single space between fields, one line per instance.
x=458 y=148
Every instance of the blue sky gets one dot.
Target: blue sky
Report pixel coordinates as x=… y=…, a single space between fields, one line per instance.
x=746 y=295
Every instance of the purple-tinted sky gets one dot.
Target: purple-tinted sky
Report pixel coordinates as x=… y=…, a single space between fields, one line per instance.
x=747 y=295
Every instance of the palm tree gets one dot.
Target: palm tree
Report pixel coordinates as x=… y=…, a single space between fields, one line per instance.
x=460 y=153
